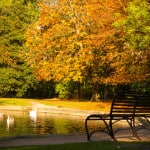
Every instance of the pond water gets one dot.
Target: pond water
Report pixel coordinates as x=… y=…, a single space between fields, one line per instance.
x=23 y=124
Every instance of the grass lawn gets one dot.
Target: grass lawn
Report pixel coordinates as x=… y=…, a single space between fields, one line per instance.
x=89 y=146
x=76 y=104
x=15 y=102
x=73 y=104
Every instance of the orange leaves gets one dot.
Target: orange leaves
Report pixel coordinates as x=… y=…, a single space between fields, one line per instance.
x=69 y=40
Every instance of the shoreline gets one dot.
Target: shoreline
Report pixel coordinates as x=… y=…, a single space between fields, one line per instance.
x=41 y=108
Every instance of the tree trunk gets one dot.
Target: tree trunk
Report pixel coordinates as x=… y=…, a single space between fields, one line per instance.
x=95 y=93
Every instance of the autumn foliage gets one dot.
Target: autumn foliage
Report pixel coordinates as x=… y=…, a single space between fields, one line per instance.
x=76 y=40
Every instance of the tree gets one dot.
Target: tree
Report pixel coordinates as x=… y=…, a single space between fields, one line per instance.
x=132 y=60
x=15 y=76
x=15 y=82
x=67 y=43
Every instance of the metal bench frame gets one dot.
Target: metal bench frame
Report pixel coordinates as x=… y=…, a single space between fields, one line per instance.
x=128 y=107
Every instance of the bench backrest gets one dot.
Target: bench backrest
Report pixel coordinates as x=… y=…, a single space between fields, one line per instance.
x=143 y=105
x=123 y=105
x=130 y=104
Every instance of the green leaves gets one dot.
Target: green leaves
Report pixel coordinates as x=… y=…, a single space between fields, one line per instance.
x=132 y=61
x=16 y=81
x=137 y=25
x=15 y=76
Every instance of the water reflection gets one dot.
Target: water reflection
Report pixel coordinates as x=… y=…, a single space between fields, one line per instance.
x=43 y=123
x=1 y=116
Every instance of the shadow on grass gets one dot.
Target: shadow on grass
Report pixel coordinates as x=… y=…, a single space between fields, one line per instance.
x=89 y=146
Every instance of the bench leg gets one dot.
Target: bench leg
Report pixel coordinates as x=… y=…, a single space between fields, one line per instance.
x=86 y=130
x=132 y=125
x=111 y=132
x=108 y=127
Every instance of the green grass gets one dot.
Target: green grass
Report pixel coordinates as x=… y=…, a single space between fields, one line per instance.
x=15 y=102
x=89 y=146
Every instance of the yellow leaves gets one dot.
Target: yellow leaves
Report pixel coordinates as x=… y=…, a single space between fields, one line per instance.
x=128 y=67
x=72 y=37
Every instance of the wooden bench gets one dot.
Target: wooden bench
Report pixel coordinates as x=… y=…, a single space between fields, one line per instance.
x=128 y=107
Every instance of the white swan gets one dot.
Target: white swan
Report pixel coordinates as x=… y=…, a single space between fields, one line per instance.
x=10 y=122
x=32 y=114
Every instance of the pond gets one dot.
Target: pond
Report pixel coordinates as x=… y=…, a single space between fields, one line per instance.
x=23 y=124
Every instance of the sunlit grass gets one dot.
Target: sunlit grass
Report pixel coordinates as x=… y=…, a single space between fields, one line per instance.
x=82 y=105
x=72 y=104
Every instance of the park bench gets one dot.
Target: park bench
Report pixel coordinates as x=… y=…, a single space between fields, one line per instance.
x=132 y=107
